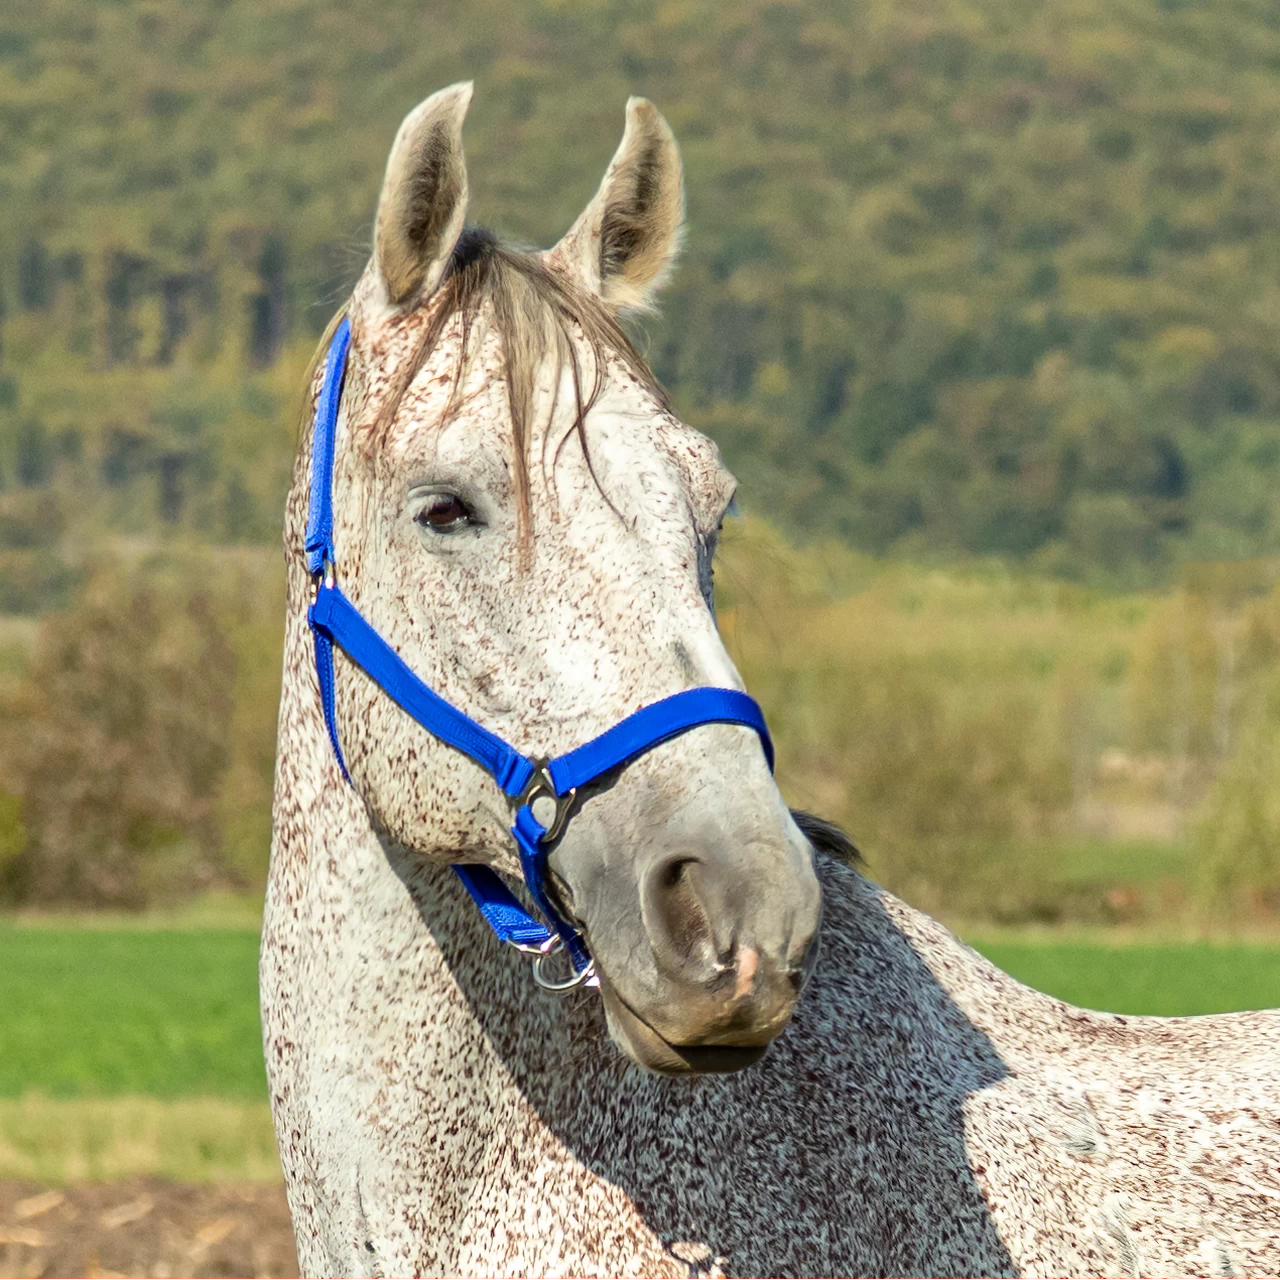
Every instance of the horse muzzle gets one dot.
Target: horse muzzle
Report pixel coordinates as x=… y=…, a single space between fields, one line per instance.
x=723 y=971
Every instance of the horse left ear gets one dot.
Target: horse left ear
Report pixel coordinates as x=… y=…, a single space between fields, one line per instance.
x=424 y=197
x=625 y=242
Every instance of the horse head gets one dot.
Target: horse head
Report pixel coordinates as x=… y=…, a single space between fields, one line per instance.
x=522 y=517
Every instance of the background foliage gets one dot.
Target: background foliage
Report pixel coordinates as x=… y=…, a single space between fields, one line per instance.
x=964 y=276
x=980 y=300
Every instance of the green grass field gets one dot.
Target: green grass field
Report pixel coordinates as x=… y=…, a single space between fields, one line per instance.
x=1169 y=979
x=130 y=1049
x=100 y=1012
x=169 y=1014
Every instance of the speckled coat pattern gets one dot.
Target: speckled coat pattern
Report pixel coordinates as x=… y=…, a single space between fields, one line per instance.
x=923 y=1113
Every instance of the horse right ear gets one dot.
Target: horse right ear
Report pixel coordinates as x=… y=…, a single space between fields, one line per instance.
x=624 y=243
x=424 y=197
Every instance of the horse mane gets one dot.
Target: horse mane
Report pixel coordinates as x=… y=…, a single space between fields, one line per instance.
x=826 y=837
x=535 y=310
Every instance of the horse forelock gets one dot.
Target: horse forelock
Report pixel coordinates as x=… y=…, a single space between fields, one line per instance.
x=534 y=309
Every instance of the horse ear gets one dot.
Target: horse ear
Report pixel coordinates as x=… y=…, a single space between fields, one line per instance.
x=623 y=245
x=424 y=197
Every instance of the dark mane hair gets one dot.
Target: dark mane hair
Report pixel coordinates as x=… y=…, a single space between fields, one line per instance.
x=827 y=838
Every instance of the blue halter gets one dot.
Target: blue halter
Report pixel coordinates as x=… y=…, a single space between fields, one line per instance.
x=335 y=620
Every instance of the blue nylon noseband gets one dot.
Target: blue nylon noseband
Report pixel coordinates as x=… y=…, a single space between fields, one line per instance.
x=334 y=620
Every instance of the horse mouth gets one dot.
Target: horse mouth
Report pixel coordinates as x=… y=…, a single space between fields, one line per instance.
x=655 y=1053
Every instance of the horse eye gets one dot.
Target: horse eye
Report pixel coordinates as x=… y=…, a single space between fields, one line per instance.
x=445 y=513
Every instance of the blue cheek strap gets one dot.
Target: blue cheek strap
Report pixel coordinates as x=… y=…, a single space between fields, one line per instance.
x=336 y=622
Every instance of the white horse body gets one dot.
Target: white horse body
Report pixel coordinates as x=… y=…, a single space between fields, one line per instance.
x=923 y=1113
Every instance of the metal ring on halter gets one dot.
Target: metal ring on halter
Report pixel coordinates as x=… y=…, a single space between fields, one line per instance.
x=541 y=785
x=583 y=977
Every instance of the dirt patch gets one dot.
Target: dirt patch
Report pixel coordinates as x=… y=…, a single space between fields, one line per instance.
x=145 y=1227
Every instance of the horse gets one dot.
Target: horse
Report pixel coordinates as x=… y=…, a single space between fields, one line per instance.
x=765 y=1064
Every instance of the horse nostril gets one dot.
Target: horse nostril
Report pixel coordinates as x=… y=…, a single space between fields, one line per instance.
x=675 y=912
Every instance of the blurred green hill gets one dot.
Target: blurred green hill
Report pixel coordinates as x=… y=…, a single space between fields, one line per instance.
x=963 y=276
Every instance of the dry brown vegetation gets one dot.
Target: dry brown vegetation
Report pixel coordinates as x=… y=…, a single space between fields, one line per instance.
x=65 y=1141
x=145 y=1227
x=1004 y=747
x=139 y=741
x=1011 y=748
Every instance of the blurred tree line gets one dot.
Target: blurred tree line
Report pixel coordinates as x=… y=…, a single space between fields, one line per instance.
x=966 y=277
x=1015 y=748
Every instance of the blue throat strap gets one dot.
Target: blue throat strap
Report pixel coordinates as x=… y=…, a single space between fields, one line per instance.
x=336 y=621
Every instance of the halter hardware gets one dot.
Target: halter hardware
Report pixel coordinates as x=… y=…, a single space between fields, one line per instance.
x=327 y=575
x=578 y=978
x=336 y=622
x=541 y=786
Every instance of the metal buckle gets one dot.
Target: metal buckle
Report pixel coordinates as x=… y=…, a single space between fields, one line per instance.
x=328 y=573
x=580 y=978
x=541 y=785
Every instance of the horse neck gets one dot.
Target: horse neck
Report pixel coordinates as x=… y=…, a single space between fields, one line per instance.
x=351 y=903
